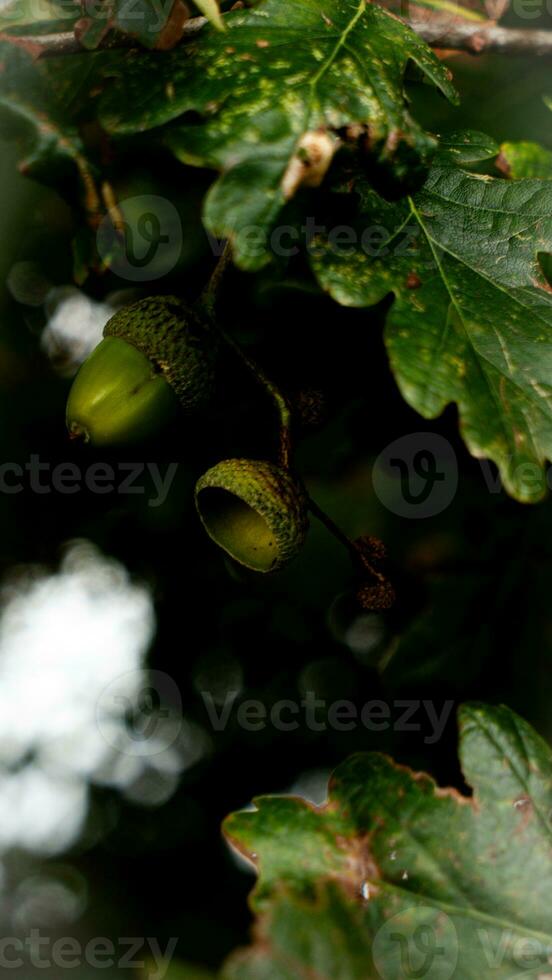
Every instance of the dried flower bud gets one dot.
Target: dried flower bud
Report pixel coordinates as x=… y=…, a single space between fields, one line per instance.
x=376 y=597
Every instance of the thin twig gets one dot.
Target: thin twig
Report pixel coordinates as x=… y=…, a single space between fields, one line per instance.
x=357 y=553
x=208 y=301
x=210 y=295
x=461 y=36
x=334 y=529
x=482 y=38
x=280 y=401
x=53 y=45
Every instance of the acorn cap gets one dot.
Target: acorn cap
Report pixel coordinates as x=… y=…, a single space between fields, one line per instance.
x=254 y=510
x=117 y=397
x=175 y=340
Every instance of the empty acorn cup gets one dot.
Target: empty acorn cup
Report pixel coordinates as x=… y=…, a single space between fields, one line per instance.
x=255 y=511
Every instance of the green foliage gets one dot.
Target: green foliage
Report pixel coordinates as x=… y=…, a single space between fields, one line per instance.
x=525 y=160
x=391 y=852
x=34 y=13
x=473 y=308
x=467 y=291
x=36 y=101
x=303 y=106
x=143 y=19
x=154 y=23
x=278 y=73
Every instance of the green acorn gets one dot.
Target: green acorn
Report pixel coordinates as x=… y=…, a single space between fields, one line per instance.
x=156 y=354
x=255 y=511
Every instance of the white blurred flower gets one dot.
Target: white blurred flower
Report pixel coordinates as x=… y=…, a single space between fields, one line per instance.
x=74 y=328
x=72 y=683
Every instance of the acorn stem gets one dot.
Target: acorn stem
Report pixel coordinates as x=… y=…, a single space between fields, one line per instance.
x=280 y=401
x=210 y=295
x=356 y=552
x=208 y=301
